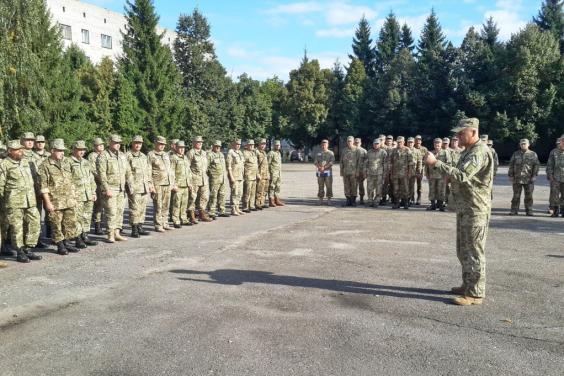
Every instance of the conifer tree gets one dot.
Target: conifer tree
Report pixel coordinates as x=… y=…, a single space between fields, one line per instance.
x=388 y=44
x=551 y=18
x=362 y=46
x=406 y=38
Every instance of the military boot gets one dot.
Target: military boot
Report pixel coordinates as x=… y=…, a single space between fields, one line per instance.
x=41 y=245
x=135 y=231
x=192 y=216
x=433 y=206
x=278 y=202
x=141 y=230
x=406 y=204
x=21 y=256
x=8 y=251
x=204 y=216
x=353 y=201
x=111 y=236
x=224 y=215
x=118 y=236
x=328 y=201
x=87 y=240
x=61 y=249
x=31 y=255
x=441 y=205
x=347 y=202
x=418 y=201
x=554 y=211
x=271 y=202
x=396 y=205
x=98 y=228
x=320 y=202
x=361 y=202
x=529 y=212
x=79 y=243
x=70 y=247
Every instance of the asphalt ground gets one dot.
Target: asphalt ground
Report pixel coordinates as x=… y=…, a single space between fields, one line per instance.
x=297 y=290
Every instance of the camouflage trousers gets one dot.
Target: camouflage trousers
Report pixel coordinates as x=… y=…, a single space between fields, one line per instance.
x=471 y=234
x=349 y=182
x=179 y=205
x=249 y=193
x=161 y=203
x=516 y=201
x=199 y=198
x=64 y=225
x=114 y=207
x=401 y=187
x=360 y=185
x=419 y=181
x=387 y=189
x=236 y=193
x=98 y=207
x=23 y=225
x=437 y=189
x=411 y=182
x=84 y=215
x=325 y=186
x=137 y=208
x=374 y=186
x=274 y=186
x=556 y=194
x=262 y=190
x=217 y=198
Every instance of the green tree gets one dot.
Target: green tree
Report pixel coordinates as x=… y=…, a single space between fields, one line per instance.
x=406 y=38
x=362 y=46
x=336 y=117
x=388 y=44
x=257 y=118
x=551 y=18
x=353 y=96
x=277 y=93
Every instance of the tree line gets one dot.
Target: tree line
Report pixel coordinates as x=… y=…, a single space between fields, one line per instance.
x=392 y=83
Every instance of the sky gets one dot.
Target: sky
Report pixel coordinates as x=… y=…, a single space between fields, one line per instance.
x=267 y=38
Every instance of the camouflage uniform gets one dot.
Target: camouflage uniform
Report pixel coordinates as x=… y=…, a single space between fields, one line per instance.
x=555 y=173
x=142 y=184
x=523 y=168
x=361 y=176
x=85 y=190
x=418 y=171
x=275 y=170
x=437 y=182
x=325 y=159
x=263 y=177
x=419 y=178
x=216 y=174
x=250 y=174
x=180 y=165
x=374 y=170
x=98 y=208
x=402 y=165
x=350 y=168
x=472 y=181
x=199 y=166
x=163 y=181
x=235 y=166
x=35 y=160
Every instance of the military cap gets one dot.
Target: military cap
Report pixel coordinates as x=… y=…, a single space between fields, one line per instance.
x=198 y=139
x=446 y=140
x=489 y=142
x=389 y=137
x=262 y=141
x=28 y=136
x=382 y=136
x=40 y=138
x=358 y=139
x=58 y=144
x=116 y=138
x=98 y=141
x=79 y=145
x=376 y=141
x=174 y=141
x=180 y=144
x=14 y=145
x=325 y=141
x=418 y=137
x=454 y=138
x=410 y=139
x=237 y=141
x=137 y=139
x=438 y=139
x=484 y=137
x=524 y=141
x=160 y=140
x=250 y=142
x=350 y=138
x=217 y=143
x=466 y=123
x=400 y=138
x=277 y=143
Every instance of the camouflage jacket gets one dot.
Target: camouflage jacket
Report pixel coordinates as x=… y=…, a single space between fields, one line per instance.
x=141 y=172
x=418 y=160
x=199 y=167
x=325 y=159
x=274 y=163
x=402 y=162
x=496 y=160
x=83 y=179
x=216 y=167
x=375 y=162
x=262 y=165
x=350 y=162
x=523 y=166
x=235 y=164
x=433 y=172
x=251 y=165
x=114 y=172
x=555 y=165
x=161 y=170
x=93 y=158
x=180 y=165
x=56 y=180
x=17 y=188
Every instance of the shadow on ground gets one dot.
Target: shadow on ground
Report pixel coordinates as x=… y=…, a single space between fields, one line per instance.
x=240 y=277
x=530 y=224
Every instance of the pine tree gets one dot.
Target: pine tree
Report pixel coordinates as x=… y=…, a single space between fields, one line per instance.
x=126 y=113
x=353 y=96
x=336 y=117
x=362 y=46
x=432 y=40
x=551 y=18
x=490 y=33
x=388 y=44
x=406 y=38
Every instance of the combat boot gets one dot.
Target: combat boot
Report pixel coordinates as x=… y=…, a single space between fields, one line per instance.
x=433 y=206
x=353 y=201
x=21 y=256
x=8 y=251
x=224 y=215
x=347 y=202
x=529 y=212
x=382 y=202
x=328 y=201
x=70 y=247
x=111 y=237
x=98 y=228
x=467 y=300
x=141 y=230
x=118 y=236
x=554 y=211
x=396 y=205
x=441 y=205
x=135 y=231
x=458 y=290
x=31 y=255
x=320 y=202
x=204 y=216
x=406 y=204
x=192 y=216
x=41 y=245
x=278 y=202
x=87 y=240
x=418 y=201
x=61 y=249
x=361 y=202
x=271 y=202
x=79 y=243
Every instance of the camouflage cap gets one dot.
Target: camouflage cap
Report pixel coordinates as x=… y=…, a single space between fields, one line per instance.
x=116 y=138
x=324 y=141
x=137 y=139
x=466 y=123
x=484 y=137
x=58 y=144
x=198 y=139
x=400 y=138
x=389 y=137
x=350 y=138
x=523 y=141
x=489 y=142
x=28 y=136
x=217 y=143
x=180 y=144
x=160 y=140
x=358 y=139
x=40 y=138
x=454 y=138
x=376 y=141
x=410 y=139
x=98 y=141
x=250 y=142
x=174 y=141
x=262 y=141
x=382 y=136
x=237 y=141
x=437 y=140
x=14 y=145
x=80 y=144
x=446 y=140
x=418 y=137
x=277 y=143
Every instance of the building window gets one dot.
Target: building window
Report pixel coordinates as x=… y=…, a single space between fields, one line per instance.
x=104 y=20
x=84 y=14
x=66 y=31
x=106 y=41
x=85 y=36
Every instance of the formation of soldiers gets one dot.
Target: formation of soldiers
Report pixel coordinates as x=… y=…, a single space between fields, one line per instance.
x=185 y=186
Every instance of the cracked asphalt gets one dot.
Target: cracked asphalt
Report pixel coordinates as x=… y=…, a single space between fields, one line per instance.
x=298 y=290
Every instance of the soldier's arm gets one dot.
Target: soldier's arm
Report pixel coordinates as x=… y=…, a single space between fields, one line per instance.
x=44 y=179
x=467 y=171
x=2 y=182
x=101 y=167
x=536 y=166
x=550 y=166
x=92 y=179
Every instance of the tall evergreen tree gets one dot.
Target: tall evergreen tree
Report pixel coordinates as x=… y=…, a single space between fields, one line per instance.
x=353 y=96
x=362 y=46
x=406 y=38
x=432 y=40
x=490 y=33
x=336 y=117
x=388 y=44
x=551 y=18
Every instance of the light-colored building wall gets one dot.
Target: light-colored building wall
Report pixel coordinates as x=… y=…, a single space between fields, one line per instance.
x=97 y=23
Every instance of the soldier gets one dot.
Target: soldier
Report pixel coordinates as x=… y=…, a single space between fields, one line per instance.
x=419 y=177
x=275 y=169
x=97 y=149
x=172 y=146
x=437 y=182
x=59 y=198
x=446 y=146
x=162 y=177
x=5 y=249
x=472 y=181
x=555 y=174
x=388 y=190
x=142 y=187
x=324 y=161
x=235 y=166
x=218 y=183
x=39 y=147
x=115 y=178
x=523 y=170
x=361 y=176
x=403 y=167
x=263 y=175
x=455 y=150
x=182 y=189
x=250 y=173
x=199 y=166
x=374 y=170
x=418 y=169
x=350 y=170
x=496 y=158
x=85 y=186
x=18 y=199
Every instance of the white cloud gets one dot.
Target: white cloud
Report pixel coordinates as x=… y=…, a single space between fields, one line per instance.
x=296 y=8
x=507 y=17
x=339 y=12
x=335 y=32
x=239 y=53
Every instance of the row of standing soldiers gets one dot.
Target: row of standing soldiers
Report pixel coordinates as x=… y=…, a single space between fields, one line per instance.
x=185 y=186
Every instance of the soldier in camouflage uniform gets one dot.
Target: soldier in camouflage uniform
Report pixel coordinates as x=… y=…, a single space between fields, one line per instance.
x=324 y=161
x=275 y=169
x=472 y=181
x=437 y=182
x=115 y=179
x=361 y=176
x=142 y=187
x=85 y=185
x=350 y=165
x=162 y=176
x=39 y=147
x=250 y=173
x=59 y=198
x=199 y=166
x=523 y=170
x=4 y=247
x=496 y=158
x=418 y=157
x=403 y=167
x=18 y=200
x=555 y=175
x=182 y=190
x=263 y=175
x=235 y=167
x=218 y=183
x=97 y=149
x=419 y=178
x=387 y=190
x=374 y=170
